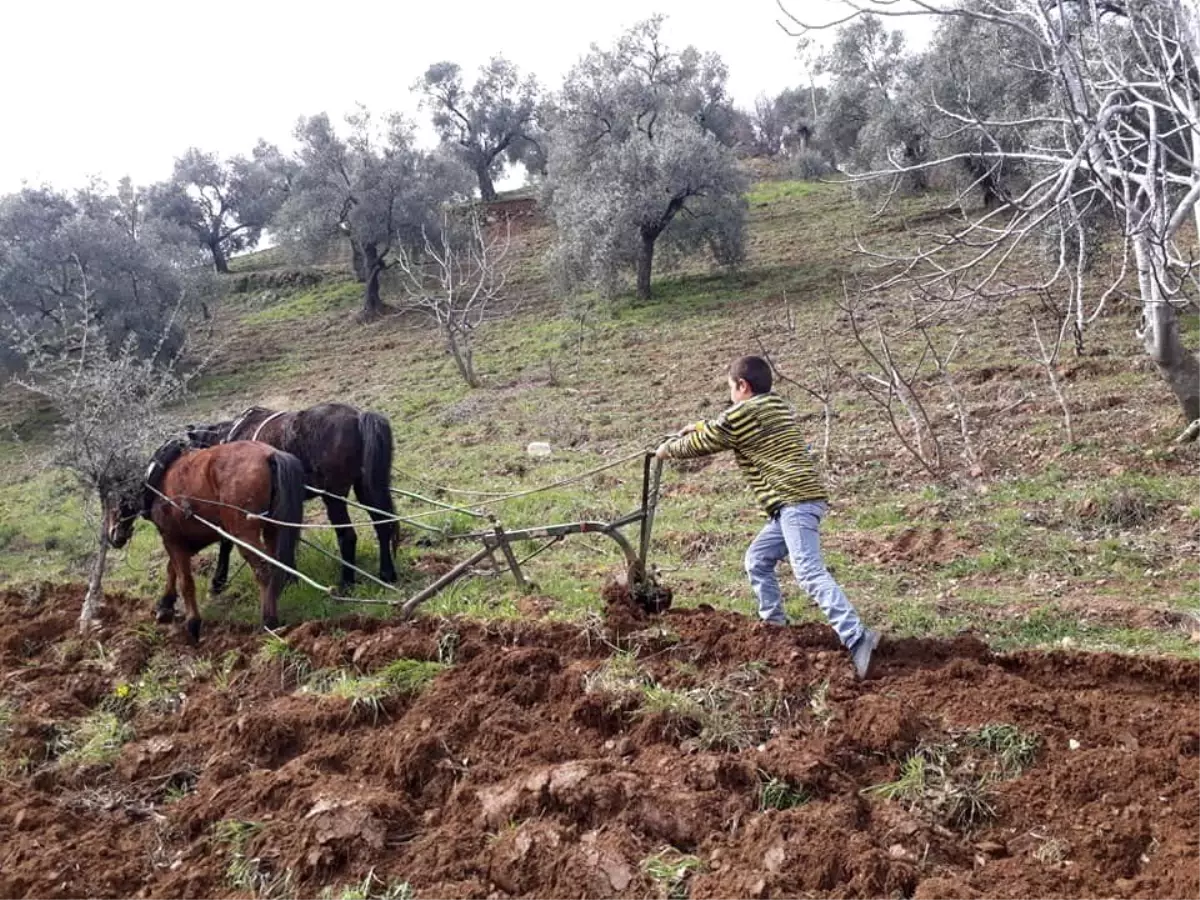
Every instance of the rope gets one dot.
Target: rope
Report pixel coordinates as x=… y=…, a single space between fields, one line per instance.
x=363 y=572
x=562 y=482
x=225 y=534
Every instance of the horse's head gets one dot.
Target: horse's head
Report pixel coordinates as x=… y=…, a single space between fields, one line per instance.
x=121 y=511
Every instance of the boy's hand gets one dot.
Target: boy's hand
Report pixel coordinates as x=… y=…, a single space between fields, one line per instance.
x=687 y=429
x=661 y=452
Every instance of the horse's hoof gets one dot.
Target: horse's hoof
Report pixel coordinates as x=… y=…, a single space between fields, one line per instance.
x=164 y=616
x=192 y=627
x=216 y=587
x=271 y=622
x=389 y=576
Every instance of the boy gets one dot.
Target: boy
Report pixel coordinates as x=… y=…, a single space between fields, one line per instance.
x=762 y=431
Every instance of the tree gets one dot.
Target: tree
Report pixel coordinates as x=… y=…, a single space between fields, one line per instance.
x=225 y=205
x=869 y=115
x=492 y=124
x=640 y=150
x=457 y=282
x=55 y=249
x=373 y=188
x=94 y=311
x=1118 y=132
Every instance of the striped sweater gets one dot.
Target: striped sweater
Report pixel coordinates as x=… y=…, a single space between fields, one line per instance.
x=768 y=445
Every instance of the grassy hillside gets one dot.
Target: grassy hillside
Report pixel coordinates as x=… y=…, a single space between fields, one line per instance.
x=1092 y=544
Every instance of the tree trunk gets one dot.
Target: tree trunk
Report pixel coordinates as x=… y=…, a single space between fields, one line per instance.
x=463 y=357
x=220 y=263
x=645 y=263
x=357 y=262
x=373 y=265
x=487 y=190
x=95 y=588
x=1160 y=336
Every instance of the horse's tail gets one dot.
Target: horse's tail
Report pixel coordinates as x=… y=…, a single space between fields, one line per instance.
x=287 y=505
x=376 y=479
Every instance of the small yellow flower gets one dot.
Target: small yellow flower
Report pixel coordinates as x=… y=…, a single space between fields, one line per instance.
x=123 y=691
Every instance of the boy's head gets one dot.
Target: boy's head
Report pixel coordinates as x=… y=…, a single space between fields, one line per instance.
x=748 y=376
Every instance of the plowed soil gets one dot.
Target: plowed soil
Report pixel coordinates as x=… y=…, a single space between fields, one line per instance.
x=522 y=770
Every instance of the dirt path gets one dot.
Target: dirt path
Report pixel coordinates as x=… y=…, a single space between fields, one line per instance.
x=712 y=757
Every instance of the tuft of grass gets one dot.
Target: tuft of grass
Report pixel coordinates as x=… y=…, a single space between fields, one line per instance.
x=619 y=674
x=818 y=702
x=7 y=712
x=293 y=663
x=1014 y=749
x=368 y=694
x=244 y=872
x=95 y=739
x=777 y=793
x=672 y=870
x=909 y=787
x=372 y=887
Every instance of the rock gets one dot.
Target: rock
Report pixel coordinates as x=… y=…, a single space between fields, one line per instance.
x=774 y=858
x=538 y=449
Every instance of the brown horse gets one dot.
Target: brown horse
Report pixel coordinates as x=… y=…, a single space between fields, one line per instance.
x=223 y=485
x=341 y=448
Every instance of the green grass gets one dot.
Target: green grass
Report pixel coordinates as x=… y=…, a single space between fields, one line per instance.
x=95 y=739
x=643 y=369
x=321 y=300
x=368 y=694
x=778 y=793
x=372 y=887
x=672 y=870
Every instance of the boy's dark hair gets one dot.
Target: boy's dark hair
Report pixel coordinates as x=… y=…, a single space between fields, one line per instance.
x=755 y=371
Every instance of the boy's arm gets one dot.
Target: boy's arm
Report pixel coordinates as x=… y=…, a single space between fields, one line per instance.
x=701 y=439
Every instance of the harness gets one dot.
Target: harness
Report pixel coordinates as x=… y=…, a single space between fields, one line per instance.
x=241 y=420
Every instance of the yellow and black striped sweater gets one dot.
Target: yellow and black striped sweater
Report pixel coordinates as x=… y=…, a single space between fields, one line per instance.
x=769 y=447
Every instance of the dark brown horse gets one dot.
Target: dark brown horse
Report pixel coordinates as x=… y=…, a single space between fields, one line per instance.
x=341 y=448
x=185 y=485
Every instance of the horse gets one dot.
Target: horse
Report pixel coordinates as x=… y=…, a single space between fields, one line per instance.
x=341 y=448
x=185 y=485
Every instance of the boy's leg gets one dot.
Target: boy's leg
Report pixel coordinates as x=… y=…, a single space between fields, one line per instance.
x=762 y=556
x=800 y=526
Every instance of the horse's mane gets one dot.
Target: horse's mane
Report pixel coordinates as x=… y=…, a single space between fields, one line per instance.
x=161 y=460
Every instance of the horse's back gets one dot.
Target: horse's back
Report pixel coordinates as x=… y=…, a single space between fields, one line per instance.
x=213 y=482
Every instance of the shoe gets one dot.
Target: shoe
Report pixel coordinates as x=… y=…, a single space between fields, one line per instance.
x=861 y=653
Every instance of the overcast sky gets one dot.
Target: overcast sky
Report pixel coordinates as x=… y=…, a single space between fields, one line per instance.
x=120 y=87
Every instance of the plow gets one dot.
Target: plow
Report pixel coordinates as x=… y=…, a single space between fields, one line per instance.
x=496 y=544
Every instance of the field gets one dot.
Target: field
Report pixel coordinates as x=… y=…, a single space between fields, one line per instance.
x=1031 y=730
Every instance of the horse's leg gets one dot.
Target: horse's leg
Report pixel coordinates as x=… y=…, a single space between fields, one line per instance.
x=221 y=575
x=335 y=508
x=262 y=572
x=385 y=530
x=181 y=561
x=269 y=587
x=164 y=612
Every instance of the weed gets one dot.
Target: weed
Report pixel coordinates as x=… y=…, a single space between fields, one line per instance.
x=818 y=702
x=1015 y=749
x=369 y=693
x=6 y=717
x=250 y=873
x=372 y=887
x=910 y=786
x=93 y=740
x=619 y=674
x=672 y=869
x=293 y=663
x=447 y=648
x=776 y=793
x=1051 y=851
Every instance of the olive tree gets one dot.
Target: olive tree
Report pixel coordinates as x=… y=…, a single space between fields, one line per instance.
x=226 y=204
x=1117 y=134
x=372 y=187
x=489 y=125
x=640 y=152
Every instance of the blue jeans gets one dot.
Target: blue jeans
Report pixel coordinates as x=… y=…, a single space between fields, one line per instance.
x=795 y=533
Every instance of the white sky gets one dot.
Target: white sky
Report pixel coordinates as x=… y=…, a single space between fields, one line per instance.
x=121 y=87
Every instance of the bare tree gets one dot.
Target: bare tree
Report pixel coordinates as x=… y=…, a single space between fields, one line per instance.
x=457 y=283
x=108 y=403
x=1119 y=135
